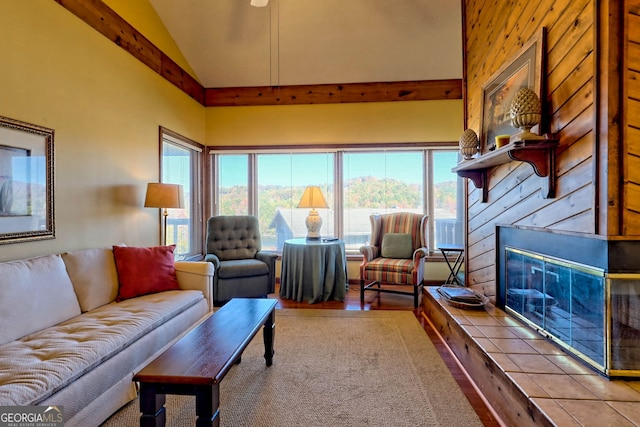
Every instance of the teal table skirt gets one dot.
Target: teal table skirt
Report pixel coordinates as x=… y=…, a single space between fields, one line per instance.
x=313 y=270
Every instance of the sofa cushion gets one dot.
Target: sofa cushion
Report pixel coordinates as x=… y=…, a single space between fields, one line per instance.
x=35 y=294
x=143 y=271
x=41 y=364
x=94 y=276
x=242 y=268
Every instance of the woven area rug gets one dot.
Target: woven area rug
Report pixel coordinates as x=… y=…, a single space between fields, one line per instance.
x=334 y=368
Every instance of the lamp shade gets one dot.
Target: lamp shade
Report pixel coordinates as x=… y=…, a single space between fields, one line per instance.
x=313 y=198
x=164 y=196
x=259 y=3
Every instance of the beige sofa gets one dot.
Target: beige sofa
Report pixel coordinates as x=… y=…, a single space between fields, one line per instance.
x=65 y=341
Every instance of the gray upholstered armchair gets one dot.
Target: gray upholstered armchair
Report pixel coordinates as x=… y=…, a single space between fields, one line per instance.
x=242 y=269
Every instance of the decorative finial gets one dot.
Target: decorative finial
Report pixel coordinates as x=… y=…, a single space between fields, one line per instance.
x=468 y=144
x=525 y=114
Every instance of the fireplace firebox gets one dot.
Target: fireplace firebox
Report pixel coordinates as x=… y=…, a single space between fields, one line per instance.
x=580 y=291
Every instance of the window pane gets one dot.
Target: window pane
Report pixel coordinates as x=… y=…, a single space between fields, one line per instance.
x=370 y=182
x=282 y=179
x=233 y=178
x=379 y=183
x=448 y=197
x=180 y=166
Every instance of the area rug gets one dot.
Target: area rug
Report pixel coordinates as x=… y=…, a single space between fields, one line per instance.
x=334 y=368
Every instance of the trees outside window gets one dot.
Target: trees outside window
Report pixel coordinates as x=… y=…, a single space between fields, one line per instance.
x=355 y=183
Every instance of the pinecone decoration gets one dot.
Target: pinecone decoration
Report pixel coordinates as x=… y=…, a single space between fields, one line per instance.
x=468 y=144
x=525 y=110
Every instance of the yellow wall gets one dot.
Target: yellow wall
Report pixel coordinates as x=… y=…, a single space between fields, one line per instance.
x=409 y=121
x=143 y=17
x=105 y=108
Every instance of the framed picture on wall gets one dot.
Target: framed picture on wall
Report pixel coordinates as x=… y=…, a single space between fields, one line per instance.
x=525 y=69
x=26 y=182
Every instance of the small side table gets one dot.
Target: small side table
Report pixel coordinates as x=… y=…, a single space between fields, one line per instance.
x=454 y=268
x=313 y=270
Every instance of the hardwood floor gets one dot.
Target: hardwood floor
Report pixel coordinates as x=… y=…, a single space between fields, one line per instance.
x=374 y=301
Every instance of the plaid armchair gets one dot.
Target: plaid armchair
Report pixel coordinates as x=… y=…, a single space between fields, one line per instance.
x=406 y=265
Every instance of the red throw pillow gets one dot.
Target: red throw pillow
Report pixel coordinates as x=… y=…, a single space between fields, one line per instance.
x=143 y=271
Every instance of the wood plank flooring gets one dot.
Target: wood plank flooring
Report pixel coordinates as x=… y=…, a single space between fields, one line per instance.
x=374 y=301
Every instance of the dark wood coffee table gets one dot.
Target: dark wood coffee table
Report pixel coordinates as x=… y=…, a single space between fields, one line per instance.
x=197 y=363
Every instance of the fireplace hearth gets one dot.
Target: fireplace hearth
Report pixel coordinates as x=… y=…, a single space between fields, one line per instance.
x=580 y=291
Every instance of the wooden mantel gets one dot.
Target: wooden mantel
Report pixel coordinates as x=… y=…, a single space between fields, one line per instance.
x=540 y=154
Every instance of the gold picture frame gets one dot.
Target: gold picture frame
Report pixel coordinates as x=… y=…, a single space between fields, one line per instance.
x=525 y=69
x=26 y=182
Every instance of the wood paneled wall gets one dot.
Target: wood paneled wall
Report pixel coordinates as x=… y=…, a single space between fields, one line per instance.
x=582 y=96
x=631 y=123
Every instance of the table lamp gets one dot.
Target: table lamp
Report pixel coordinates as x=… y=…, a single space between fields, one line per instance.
x=313 y=198
x=164 y=196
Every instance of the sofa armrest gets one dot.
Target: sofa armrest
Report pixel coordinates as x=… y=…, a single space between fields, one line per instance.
x=213 y=259
x=196 y=275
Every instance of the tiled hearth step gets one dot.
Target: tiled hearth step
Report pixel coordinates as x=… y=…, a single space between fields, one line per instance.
x=527 y=379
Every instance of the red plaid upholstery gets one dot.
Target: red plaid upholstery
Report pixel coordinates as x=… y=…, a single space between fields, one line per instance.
x=388 y=270
x=374 y=268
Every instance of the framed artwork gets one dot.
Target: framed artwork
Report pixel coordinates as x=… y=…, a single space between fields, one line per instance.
x=525 y=69
x=26 y=182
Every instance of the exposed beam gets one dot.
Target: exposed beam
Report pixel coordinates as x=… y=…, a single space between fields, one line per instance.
x=103 y=19
x=334 y=93
x=111 y=25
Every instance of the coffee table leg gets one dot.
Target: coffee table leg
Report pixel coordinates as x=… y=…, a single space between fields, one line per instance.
x=152 y=406
x=208 y=405
x=269 y=332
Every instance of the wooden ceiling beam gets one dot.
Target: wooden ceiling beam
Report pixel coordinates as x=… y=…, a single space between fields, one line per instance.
x=335 y=93
x=103 y=19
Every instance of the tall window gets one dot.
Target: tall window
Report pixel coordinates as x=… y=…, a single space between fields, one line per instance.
x=233 y=187
x=379 y=182
x=182 y=164
x=280 y=180
x=355 y=183
x=447 y=198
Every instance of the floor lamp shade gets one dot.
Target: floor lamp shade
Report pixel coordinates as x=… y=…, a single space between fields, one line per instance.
x=313 y=198
x=168 y=196
x=164 y=196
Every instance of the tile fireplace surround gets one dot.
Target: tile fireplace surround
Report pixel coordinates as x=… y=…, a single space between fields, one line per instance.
x=528 y=380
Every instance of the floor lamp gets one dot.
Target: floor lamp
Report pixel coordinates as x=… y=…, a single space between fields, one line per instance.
x=164 y=196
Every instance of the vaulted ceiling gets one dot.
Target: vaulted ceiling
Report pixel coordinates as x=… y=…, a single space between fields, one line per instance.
x=229 y=43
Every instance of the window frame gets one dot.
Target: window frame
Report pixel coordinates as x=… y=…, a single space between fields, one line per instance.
x=196 y=175
x=427 y=150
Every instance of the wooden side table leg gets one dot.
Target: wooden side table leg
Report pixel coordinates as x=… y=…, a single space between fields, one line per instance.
x=208 y=405
x=152 y=406
x=269 y=333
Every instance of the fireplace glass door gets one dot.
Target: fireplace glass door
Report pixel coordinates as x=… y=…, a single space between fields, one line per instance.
x=563 y=300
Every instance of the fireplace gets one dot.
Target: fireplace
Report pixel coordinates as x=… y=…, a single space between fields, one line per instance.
x=580 y=291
